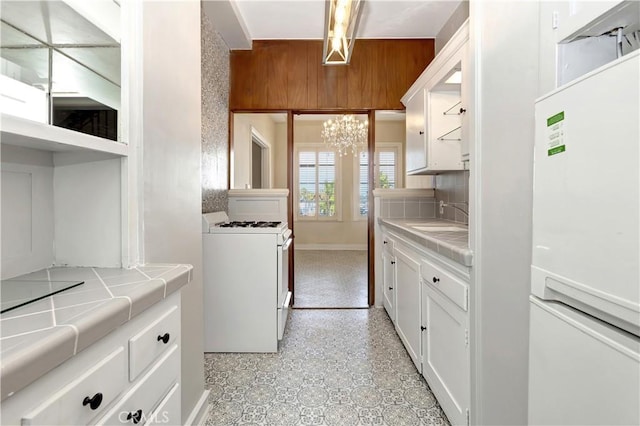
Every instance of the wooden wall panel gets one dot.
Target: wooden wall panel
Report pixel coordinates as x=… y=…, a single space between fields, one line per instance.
x=288 y=74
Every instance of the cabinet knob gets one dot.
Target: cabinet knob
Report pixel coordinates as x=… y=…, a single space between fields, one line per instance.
x=136 y=416
x=384 y=242
x=390 y=288
x=421 y=132
x=423 y=328
x=393 y=262
x=462 y=110
x=94 y=402
x=435 y=279
x=164 y=338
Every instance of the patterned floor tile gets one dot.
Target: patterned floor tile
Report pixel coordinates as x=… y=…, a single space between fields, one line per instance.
x=343 y=284
x=334 y=367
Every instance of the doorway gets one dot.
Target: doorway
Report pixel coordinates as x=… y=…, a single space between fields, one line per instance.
x=329 y=191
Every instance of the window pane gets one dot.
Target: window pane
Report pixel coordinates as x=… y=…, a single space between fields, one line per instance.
x=363 y=185
x=307 y=183
x=386 y=169
x=326 y=184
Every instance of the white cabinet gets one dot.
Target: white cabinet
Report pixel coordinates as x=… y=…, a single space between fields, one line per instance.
x=435 y=111
x=416 y=132
x=430 y=305
x=408 y=324
x=94 y=387
x=445 y=344
x=388 y=277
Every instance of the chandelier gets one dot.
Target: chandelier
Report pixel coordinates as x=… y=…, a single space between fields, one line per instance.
x=345 y=132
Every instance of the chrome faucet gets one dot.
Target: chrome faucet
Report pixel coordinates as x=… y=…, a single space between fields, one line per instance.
x=443 y=205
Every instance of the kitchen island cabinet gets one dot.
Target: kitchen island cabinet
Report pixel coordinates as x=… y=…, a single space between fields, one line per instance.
x=105 y=352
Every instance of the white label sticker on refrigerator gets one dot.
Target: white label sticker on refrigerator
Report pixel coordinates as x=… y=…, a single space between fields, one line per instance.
x=555 y=134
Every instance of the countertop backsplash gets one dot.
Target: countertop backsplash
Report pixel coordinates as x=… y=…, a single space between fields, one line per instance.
x=453 y=188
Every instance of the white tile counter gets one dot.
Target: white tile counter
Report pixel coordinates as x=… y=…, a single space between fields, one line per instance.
x=38 y=337
x=453 y=245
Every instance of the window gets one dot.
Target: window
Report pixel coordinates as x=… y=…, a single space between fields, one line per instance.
x=386 y=174
x=317 y=185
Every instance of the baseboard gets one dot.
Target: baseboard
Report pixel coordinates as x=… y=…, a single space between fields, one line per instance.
x=199 y=413
x=331 y=246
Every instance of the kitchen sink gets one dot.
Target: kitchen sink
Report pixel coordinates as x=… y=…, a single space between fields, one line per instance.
x=440 y=228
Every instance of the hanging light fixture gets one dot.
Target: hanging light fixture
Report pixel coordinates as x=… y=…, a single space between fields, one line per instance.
x=344 y=133
x=341 y=18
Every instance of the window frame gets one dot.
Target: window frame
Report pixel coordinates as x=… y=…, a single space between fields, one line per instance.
x=316 y=147
x=384 y=147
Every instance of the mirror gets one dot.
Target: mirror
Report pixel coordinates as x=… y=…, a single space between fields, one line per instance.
x=259 y=151
x=60 y=64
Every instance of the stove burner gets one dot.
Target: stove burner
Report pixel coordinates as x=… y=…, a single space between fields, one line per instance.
x=263 y=224
x=250 y=224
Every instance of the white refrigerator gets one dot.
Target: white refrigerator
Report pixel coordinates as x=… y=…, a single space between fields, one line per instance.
x=584 y=355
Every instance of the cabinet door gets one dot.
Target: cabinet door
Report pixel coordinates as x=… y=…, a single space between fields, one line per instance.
x=416 y=149
x=389 y=283
x=445 y=353
x=465 y=101
x=408 y=304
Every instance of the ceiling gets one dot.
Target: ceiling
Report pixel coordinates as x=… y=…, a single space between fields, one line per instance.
x=241 y=21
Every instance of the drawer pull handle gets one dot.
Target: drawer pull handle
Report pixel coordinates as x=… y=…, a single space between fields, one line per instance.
x=390 y=288
x=436 y=279
x=462 y=110
x=94 y=402
x=423 y=328
x=384 y=242
x=421 y=132
x=135 y=416
x=393 y=262
x=164 y=338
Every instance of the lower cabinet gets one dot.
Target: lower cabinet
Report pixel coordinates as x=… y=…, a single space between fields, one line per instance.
x=427 y=298
x=445 y=353
x=389 y=278
x=408 y=324
x=130 y=376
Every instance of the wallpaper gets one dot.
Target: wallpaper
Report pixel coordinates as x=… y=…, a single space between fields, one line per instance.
x=215 y=119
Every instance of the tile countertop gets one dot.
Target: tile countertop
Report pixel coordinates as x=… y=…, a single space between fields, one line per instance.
x=38 y=337
x=453 y=245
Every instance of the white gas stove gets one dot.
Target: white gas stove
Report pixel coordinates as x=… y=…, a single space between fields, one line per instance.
x=246 y=282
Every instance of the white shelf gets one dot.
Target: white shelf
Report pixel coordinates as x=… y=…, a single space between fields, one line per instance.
x=31 y=134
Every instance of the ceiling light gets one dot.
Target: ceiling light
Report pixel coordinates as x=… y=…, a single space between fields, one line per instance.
x=344 y=133
x=341 y=22
x=455 y=78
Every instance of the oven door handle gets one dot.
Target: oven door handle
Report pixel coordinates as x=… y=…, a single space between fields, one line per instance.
x=286 y=244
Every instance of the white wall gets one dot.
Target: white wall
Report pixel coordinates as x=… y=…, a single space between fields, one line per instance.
x=27 y=210
x=243 y=124
x=171 y=165
x=504 y=51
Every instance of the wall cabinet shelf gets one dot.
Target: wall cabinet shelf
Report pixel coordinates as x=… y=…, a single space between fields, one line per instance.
x=436 y=105
x=32 y=134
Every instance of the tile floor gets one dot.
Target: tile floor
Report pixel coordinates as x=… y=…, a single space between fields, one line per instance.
x=334 y=367
x=331 y=278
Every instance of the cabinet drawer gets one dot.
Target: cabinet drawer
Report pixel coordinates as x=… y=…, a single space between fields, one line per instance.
x=446 y=283
x=150 y=342
x=387 y=245
x=168 y=411
x=81 y=400
x=138 y=404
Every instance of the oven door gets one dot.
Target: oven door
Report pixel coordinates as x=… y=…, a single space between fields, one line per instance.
x=284 y=295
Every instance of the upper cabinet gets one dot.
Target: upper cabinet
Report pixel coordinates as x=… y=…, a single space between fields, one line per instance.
x=436 y=103
x=61 y=75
